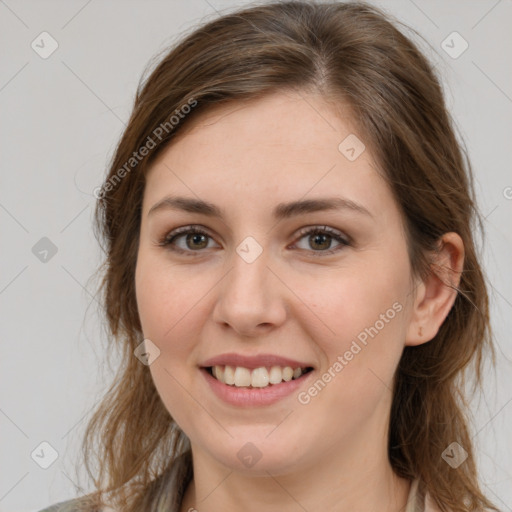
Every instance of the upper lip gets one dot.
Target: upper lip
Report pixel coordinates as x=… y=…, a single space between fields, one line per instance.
x=252 y=362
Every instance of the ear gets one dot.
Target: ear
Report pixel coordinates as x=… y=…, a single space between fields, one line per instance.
x=436 y=293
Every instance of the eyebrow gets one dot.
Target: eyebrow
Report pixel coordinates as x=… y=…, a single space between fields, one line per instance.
x=281 y=211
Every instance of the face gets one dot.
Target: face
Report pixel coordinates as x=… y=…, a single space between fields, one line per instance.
x=258 y=287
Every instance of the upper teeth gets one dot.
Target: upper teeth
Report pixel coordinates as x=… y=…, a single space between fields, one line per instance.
x=257 y=378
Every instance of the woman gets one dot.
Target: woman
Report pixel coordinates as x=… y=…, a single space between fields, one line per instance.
x=292 y=275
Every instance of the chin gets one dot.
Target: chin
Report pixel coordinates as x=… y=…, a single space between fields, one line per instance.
x=257 y=455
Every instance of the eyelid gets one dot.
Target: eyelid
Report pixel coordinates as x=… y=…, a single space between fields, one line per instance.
x=166 y=240
x=324 y=229
x=343 y=239
x=340 y=237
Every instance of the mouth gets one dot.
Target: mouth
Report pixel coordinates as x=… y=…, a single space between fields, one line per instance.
x=262 y=377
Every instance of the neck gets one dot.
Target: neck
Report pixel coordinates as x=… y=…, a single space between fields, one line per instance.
x=360 y=480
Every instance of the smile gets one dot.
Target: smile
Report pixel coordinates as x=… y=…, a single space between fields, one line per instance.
x=264 y=393
x=261 y=377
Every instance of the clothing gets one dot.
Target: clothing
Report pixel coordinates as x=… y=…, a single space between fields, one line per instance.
x=419 y=501
x=171 y=497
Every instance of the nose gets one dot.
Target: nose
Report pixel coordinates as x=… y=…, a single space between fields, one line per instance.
x=251 y=298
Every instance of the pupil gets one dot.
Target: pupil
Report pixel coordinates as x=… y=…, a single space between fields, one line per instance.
x=321 y=236
x=318 y=239
x=194 y=237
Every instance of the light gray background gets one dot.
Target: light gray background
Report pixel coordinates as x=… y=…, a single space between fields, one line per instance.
x=60 y=120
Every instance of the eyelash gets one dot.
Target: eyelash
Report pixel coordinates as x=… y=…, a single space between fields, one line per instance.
x=169 y=238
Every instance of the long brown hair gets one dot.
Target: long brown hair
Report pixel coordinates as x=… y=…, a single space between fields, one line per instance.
x=351 y=53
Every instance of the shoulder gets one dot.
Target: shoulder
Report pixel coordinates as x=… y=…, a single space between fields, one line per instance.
x=419 y=499
x=74 y=505
x=170 y=485
x=425 y=503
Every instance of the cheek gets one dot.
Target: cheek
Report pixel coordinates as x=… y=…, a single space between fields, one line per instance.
x=363 y=304
x=164 y=295
x=372 y=341
x=167 y=300
x=173 y=306
x=366 y=309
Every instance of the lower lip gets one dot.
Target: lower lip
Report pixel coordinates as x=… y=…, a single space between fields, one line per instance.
x=250 y=397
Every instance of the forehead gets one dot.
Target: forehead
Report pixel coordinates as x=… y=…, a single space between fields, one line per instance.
x=283 y=146
x=293 y=121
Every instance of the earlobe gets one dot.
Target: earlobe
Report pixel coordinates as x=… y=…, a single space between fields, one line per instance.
x=437 y=292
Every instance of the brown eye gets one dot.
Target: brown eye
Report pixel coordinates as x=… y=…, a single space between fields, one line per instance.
x=319 y=240
x=194 y=240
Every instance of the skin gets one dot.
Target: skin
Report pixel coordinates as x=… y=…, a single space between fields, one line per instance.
x=329 y=454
